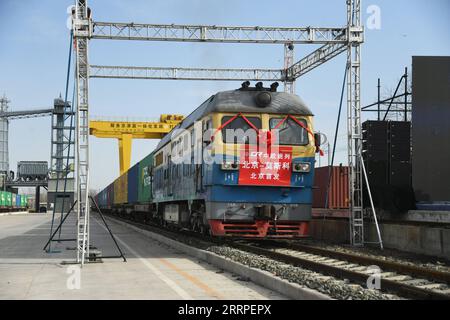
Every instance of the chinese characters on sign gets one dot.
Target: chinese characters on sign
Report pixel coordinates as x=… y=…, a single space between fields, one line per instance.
x=270 y=167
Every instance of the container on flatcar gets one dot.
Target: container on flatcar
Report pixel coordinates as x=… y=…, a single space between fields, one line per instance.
x=3 y=198
x=121 y=189
x=14 y=200
x=24 y=201
x=133 y=180
x=145 y=179
x=338 y=195
x=102 y=198
x=8 y=199
x=110 y=197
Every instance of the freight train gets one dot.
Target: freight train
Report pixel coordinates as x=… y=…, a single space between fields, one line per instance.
x=240 y=165
x=12 y=202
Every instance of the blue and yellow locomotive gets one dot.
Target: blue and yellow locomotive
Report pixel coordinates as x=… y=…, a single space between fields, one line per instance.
x=239 y=165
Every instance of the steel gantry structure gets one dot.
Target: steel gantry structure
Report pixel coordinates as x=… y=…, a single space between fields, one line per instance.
x=334 y=41
x=126 y=131
x=5 y=117
x=161 y=73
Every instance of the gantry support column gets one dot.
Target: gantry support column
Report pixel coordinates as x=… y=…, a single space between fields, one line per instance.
x=82 y=32
x=125 y=152
x=289 y=83
x=354 y=126
x=37 y=199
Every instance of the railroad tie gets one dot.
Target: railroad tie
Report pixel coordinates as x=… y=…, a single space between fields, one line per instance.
x=399 y=278
x=431 y=286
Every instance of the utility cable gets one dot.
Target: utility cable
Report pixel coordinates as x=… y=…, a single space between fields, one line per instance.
x=64 y=110
x=335 y=137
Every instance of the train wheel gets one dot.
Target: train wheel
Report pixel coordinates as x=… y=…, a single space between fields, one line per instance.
x=202 y=228
x=192 y=222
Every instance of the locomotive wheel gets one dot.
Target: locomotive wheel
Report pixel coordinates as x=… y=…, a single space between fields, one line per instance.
x=207 y=231
x=192 y=222
x=198 y=225
x=202 y=228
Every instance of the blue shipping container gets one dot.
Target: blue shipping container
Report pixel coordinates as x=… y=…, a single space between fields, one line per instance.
x=133 y=181
x=102 y=198
x=110 y=195
x=18 y=202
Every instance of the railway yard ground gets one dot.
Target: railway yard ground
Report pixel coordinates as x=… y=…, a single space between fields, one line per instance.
x=167 y=265
x=152 y=271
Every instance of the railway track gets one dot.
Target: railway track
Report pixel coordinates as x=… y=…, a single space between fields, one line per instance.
x=404 y=280
x=404 y=268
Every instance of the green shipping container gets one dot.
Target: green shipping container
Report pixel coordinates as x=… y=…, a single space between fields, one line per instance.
x=14 y=200
x=23 y=200
x=8 y=199
x=2 y=198
x=145 y=179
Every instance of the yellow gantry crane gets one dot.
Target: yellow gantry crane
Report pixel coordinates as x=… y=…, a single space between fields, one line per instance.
x=125 y=131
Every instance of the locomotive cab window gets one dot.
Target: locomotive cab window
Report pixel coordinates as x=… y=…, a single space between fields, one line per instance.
x=239 y=131
x=158 y=159
x=290 y=132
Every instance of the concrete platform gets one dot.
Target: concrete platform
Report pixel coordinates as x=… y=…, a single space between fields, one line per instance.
x=13 y=213
x=414 y=238
x=153 y=270
x=422 y=216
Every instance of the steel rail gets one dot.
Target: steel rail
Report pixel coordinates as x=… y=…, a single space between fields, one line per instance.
x=402 y=289
x=367 y=260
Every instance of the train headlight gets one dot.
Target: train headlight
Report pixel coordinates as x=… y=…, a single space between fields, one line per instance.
x=301 y=167
x=230 y=166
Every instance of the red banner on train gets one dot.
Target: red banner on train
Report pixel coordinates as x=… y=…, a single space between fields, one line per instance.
x=265 y=168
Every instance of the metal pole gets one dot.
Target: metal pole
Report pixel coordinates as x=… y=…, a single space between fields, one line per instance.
x=37 y=204
x=329 y=154
x=354 y=127
x=289 y=84
x=406 y=94
x=330 y=166
x=109 y=230
x=393 y=97
x=63 y=124
x=59 y=226
x=68 y=148
x=379 y=86
x=82 y=31
x=371 y=203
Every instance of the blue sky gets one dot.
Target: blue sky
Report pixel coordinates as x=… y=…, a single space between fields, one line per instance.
x=34 y=49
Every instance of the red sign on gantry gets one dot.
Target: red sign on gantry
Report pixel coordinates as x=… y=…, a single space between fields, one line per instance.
x=270 y=167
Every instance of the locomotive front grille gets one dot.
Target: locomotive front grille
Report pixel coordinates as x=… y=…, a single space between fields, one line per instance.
x=259 y=229
x=281 y=229
x=240 y=229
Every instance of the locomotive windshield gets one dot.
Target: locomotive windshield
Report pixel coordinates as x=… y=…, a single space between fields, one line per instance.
x=290 y=132
x=233 y=132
